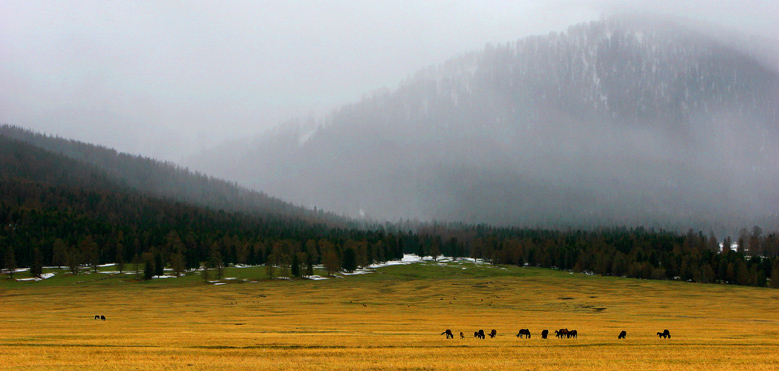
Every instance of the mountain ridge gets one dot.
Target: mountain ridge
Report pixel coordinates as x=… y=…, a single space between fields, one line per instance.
x=644 y=122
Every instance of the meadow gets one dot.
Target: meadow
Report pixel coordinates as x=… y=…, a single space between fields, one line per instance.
x=391 y=319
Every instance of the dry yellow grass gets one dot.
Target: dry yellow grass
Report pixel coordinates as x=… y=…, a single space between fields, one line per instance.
x=385 y=322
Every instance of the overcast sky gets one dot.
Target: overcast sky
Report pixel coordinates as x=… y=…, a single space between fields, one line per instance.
x=162 y=78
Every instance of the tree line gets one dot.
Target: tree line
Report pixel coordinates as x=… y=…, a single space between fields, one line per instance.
x=57 y=211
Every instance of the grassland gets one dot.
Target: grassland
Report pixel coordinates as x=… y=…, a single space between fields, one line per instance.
x=389 y=320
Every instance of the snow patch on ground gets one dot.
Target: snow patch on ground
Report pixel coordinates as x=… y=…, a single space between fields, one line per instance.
x=43 y=276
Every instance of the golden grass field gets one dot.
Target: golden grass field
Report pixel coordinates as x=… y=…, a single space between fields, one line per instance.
x=388 y=320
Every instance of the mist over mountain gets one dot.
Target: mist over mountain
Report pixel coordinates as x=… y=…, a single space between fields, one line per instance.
x=619 y=121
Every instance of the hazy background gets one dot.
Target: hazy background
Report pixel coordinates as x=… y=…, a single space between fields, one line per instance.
x=167 y=78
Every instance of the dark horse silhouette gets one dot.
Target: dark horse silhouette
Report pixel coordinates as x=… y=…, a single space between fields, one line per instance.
x=563 y=332
x=479 y=334
x=462 y=336
x=98 y=316
x=544 y=334
x=493 y=333
x=622 y=335
x=573 y=334
x=665 y=334
x=449 y=334
x=524 y=332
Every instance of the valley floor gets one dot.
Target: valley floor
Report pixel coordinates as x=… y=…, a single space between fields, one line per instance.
x=389 y=320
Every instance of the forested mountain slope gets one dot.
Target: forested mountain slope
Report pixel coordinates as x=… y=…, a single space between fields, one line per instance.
x=620 y=121
x=146 y=176
x=55 y=210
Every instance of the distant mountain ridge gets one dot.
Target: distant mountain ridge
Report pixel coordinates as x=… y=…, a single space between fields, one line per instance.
x=619 y=121
x=97 y=167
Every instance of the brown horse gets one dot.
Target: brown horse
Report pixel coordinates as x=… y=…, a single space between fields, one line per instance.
x=622 y=334
x=493 y=333
x=563 y=332
x=449 y=334
x=524 y=332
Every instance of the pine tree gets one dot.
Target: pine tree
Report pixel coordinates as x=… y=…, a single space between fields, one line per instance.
x=159 y=266
x=309 y=265
x=350 y=260
x=148 y=270
x=295 y=269
x=36 y=269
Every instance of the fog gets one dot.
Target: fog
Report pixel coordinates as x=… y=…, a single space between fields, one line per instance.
x=168 y=78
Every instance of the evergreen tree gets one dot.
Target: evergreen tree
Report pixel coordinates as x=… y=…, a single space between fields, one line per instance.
x=295 y=269
x=148 y=270
x=159 y=266
x=350 y=260
x=36 y=269
x=309 y=265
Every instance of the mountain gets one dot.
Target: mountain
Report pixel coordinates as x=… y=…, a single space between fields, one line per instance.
x=619 y=121
x=128 y=173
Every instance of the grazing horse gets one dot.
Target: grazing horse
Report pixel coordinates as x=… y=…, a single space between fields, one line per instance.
x=665 y=334
x=462 y=336
x=102 y=317
x=573 y=334
x=493 y=333
x=449 y=334
x=622 y=335
x=563 y=332
x=479 y=334
x=544 y=334
x=524 y=332
x=97 y=316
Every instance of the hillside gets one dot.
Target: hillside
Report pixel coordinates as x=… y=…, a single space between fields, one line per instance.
x=149 y=177
x=620 y=121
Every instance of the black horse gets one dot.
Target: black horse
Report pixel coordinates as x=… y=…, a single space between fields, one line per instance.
x=524 y=332
x=573 y=334
x=544 y=334
x=479 y=334
x=449 y=334
x=493 y=333
x=622 y=335
x=665 y=334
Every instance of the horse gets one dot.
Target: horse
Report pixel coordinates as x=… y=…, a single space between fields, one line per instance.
x=97 y=316
x=493 y=333
x=665 y=334
x=524 y=332
x=479 y=334
x=561 y=332
x=449 y=334
x=462 y=336
x=102 y=317
x=622 y=335
x=544 y=334
x=573 y=334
